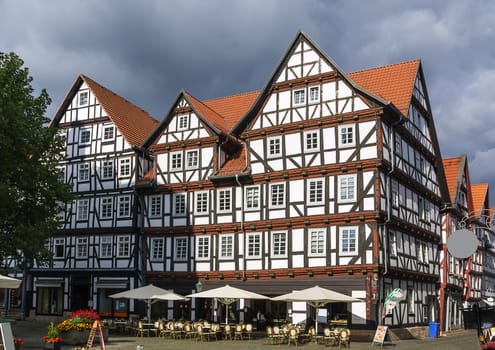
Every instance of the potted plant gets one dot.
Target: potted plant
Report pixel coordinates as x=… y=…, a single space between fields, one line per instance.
x=52 y=337
x=18 y=342
x=76 y=328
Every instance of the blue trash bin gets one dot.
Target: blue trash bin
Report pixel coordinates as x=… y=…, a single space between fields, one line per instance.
x=434 y=329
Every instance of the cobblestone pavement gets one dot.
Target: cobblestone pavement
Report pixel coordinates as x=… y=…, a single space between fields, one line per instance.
x=31 y=332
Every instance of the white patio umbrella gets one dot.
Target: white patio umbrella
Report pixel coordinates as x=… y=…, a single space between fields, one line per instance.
x=9 y=282
x=227 y=295
x=150 y=294
x=317 y=297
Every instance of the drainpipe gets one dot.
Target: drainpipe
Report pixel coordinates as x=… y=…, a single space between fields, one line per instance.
x=242 y=228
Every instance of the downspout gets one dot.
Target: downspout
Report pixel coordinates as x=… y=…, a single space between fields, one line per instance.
x=242 y=228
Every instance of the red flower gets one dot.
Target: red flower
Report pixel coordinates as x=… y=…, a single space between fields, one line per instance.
x=48 y=340
x=18 y=341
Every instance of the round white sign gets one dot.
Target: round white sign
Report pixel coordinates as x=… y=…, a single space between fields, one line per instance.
x=462 y=244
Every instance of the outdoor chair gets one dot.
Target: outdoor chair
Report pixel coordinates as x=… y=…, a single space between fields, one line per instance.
x=345 y=338
x=203 y=336
x=227 y=332
x=292 y=336
x=141 y=331
x=238 y=332
x=248 y=331
x=278 y=337
x=329 y=337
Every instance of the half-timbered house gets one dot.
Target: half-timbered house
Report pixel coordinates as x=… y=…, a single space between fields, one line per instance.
x=94 y=251
x=321 y=177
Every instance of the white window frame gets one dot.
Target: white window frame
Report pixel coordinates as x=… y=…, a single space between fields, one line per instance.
x=347 y=193
x=347 y=135
x=344 y=233
x=58 y=242
x=274 y=147
x=257 y=247
x=82 y=209
x=104 y=135
x=176 y=161
x=314 y=97
x=123 y=246
x=107 y=169
x=299 y=97
x=83 y=98
x=252 y=201
x=194 y=156
x=393 y=243
x=183 y=122
x=83 y=172
x=279 y=244
x=155 y=209
x=183 y=205
x=316 y=192
x=311 y=135
x=410 y=301
x=180 y=247
x=226 y=246
x=85 y=131
x=277 y=195
x=426 y=258
x=317 y=242
x=106 y=247
x=124 y=206
x=124 y=167
x=201 y=202
x=81 y=247
x=224 y=200
x=106 y=207
x=157 y=249
x=203 y=247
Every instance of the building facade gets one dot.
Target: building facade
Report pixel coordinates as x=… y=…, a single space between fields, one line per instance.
x=320 y=178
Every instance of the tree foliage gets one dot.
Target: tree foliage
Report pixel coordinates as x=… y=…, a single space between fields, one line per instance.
x=31 y=193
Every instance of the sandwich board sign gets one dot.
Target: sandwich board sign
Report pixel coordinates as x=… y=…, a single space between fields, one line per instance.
x=7 y=337
x=381 y=335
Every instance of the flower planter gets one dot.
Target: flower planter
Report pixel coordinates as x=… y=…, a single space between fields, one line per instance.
x=80 y=337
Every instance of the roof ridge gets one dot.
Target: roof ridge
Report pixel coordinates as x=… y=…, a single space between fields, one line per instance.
x=230 y=96
x=386 y=66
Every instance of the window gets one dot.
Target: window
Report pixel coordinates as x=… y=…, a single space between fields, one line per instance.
x=393 y=243
x=252 y=197
x=106 y=207
x=108 y=133
x=176 y=161
x=426 y=259
x=226 y=246
x=155 y=206
x=82 y=209
x=124 y=206
x=347 y=188
x=224 y=201
x=315 y=191
x=299 y=97
x=277 y=195
x=83 y=172
x=311 y=141
x=179 y=204
x=59 y=248
x=274 y=147
x=83 y=98
x=157 y=249
x=81 y=247
x=202 y=247
x=253 y=245
x=314 y=94
x=180 y=248
x=124 y=167
x=317 y=242
x=106 y=247
x=192 y=159
x=123 y=246
x=395 y=194
x=348 y=240
x=419 y=252
x=346 y=135
x=201 y=202
x=107 y=169
x=183 y=122
x=85 y=136
x=410 y=300
x=279 y=244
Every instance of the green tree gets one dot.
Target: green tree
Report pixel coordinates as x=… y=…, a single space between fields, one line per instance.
x=31 y=193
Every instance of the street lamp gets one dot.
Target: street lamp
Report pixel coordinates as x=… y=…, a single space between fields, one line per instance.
x=199 y=286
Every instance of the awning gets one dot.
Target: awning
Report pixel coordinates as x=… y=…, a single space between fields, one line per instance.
x=112 y=284
x=49 y=282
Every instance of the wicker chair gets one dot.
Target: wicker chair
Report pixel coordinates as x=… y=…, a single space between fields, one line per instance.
x=345 y=338
x=292 y=336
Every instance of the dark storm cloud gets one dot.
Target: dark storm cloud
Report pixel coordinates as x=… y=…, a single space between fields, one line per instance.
x=148 y=50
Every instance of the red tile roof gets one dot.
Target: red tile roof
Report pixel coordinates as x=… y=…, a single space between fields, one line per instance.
x=210 y=115
x=393 y=83
x=233 y=108
x=451 y=169
x=235 y=165
x=134 y=123
x=479 y=192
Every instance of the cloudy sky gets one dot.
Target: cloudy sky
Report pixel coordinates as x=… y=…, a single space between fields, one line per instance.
x=146 y=51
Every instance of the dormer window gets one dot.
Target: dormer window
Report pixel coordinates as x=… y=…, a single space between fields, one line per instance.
x=83 y=98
